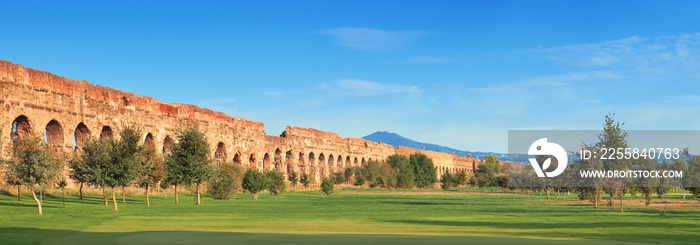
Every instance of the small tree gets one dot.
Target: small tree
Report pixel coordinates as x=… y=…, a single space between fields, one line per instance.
x=348 y=174
x=189 y=162
x=327 y=185
x=404 y=181
x=305 y=180
x=424 y=170
x=338 y=178
x=33 y=164
x=254 y=182
x=276 y=184
x=293 y=178
x=79 y=171
x=360 y=181
x=62 y=184
x=226 y=182
x=126 y=159
x=153 y=171
x=447 y=180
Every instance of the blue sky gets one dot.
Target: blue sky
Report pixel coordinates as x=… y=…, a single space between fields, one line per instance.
x=455 y=73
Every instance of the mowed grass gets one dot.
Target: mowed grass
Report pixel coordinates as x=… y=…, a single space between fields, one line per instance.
x=314 y=218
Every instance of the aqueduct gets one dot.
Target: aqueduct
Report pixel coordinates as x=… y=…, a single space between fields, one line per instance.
x=67 y=111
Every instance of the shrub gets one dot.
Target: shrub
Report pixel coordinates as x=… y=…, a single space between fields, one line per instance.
x=327 y=185
x=338 y=178
x=348 y=174
x=226 y=182
x=293 y=178
x=404 y=181
x=359 y=181
x=254 y=182
x=305 y=179
x=275 y=182
x=448 y=180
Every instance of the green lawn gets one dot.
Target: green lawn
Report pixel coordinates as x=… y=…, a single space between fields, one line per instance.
x=300 y=218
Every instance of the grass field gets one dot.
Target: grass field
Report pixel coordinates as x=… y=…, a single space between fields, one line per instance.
x=356 y=217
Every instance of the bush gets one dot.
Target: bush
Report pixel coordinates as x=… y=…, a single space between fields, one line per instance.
x=293 y=178
x=276 y=184
x=226 y=182
x=327 y=185
x=338 y=178
x=448 y=180
x=404 y=181
x=305 y=179
x=359 y=181
x=254 y=182
x=348 y=174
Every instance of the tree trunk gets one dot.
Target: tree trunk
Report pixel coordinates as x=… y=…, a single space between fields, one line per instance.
x=176 y=200
x=63 y=197
x=81 y=190
x=104 y=194
x=41 y=197
x=198 y=201
x=19 y=193
x=612 y=199
x=123 y=198
x=255 y=196
x=148 y=202
x=38 y=203
x=114 y=200
x=546 y=191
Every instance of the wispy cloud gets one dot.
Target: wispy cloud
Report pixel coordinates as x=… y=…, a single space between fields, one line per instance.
x=371 y=39
x=423 y=59
x=549 y=81
x=367 y=88
x=658 y=53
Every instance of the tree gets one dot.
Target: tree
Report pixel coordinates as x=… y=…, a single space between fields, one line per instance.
x=293 y=178
x=348 y=174
x=80 y=171
x=338 y=177
x=254 y=182
x=693 y=177
x=488 y=171
x=404 y=181
x=447 y=180
x=62 y=185
x=276 y=184
x=359 y=181
x=189 y=161
x=402 y=164
x=126 y=159
x=613 y=136
x=153 y=170
x=327 y=185
x=93 y=162
x=424 y=170
x=305 y=180
x=226 y=182
x=33 y=164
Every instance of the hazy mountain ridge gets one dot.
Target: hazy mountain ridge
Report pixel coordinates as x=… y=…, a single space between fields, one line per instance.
x=395 y=140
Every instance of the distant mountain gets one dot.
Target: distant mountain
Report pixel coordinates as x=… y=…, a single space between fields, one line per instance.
x=395 y=140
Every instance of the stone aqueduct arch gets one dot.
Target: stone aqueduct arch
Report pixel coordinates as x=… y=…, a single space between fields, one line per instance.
x=66 y=112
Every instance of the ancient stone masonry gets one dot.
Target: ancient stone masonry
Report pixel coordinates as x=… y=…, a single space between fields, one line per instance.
x=66 y=111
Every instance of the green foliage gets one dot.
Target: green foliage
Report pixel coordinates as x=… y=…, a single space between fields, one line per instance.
x=189 y=162
x=93 y=162
x=305 y=179
x=488 y=171
x=32 y=163
x=254 y=182
x=226 y=181
x=693 y=177
x=127 y=155
x=404 y=181
x=275 y=182
x=402 y=164
x=338 y=177
x=327 y=185
x=360 y=181
x=153 y=168
x=424 y=170
x=447 y=180
x=348 y=174
x=461 y=177
x=293 y=178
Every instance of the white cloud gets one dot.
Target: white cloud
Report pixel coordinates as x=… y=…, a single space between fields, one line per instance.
x=367 y=88
x=371 y=39
x=659 y=53
x=549 y=81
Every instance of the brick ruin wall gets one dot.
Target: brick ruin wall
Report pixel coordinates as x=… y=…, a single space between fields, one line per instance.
x=65 y=110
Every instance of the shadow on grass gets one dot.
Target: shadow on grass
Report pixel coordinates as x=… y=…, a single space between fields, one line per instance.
x=48 y=236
